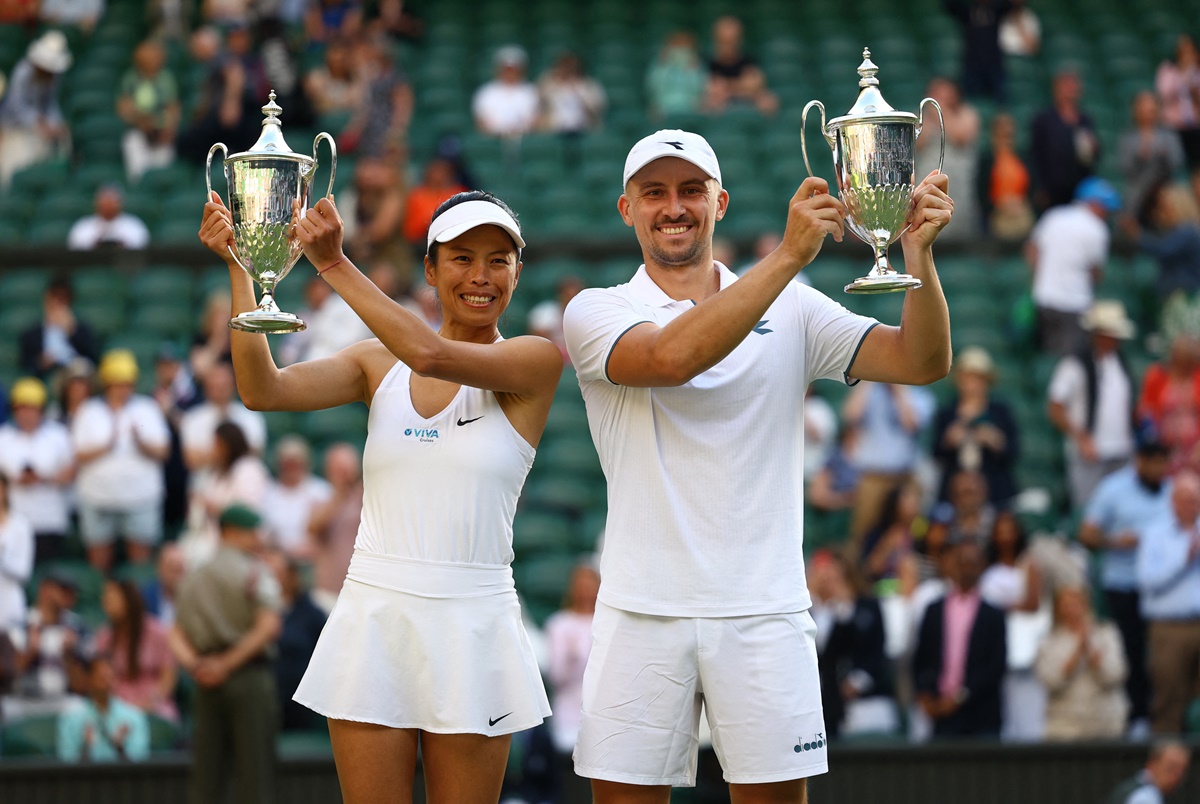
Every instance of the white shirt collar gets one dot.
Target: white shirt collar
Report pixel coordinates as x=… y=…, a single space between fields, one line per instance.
x=647 y=291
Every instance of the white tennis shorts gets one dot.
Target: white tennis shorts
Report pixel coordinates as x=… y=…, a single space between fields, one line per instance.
x=647 y=677
x=460 y=665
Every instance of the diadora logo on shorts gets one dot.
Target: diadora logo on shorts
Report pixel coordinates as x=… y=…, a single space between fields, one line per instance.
x=812 y=745
x=424 y=435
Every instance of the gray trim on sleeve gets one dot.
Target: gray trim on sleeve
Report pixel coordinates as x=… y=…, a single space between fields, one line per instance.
x=846 y=374
x=608 y=357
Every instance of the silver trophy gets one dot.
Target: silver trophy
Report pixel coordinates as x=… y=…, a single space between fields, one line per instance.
x=874 y=158
x=268 y=184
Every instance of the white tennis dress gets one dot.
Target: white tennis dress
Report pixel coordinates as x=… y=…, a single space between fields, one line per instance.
x=427 y=632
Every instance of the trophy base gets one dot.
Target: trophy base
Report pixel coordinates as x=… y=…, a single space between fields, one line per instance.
x=269 y=323
x=883 y=283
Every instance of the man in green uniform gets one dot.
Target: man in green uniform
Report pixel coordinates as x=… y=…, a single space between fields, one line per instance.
x=226 y=623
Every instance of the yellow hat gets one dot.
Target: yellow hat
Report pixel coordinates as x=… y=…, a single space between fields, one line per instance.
x=118 y=366
x=28 y=391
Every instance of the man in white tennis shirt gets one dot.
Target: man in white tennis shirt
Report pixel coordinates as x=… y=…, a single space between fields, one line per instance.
x=694 y=382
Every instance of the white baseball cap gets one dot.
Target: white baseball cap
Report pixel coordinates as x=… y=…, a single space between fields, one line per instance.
x=672 y=142
x=466 y=216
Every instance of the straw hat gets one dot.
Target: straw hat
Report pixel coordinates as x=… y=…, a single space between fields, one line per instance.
x=975 y=360
x=29 y=392
x=49 y=52
x=1107 y=317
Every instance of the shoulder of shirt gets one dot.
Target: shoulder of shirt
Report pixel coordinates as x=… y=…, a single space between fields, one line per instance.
x=589 y=296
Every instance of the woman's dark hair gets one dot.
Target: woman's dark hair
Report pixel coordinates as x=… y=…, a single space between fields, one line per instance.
x=131 y=629
x=1021 y=542
x=235 y=444
x=889 y=509
x=4 y=499
x=462 y=198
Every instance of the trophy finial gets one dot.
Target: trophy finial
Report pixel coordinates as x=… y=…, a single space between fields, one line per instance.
x=272 y=110
x=271 y=138
x=867 y=71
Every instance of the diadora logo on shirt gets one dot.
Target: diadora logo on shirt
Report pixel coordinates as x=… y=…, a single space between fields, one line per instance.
x=424 y=435
x=811 y=745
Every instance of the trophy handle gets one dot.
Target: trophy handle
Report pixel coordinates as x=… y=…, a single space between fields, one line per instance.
x=208 y=183
x=803 y=120
x=332 y=162
x=941 y=125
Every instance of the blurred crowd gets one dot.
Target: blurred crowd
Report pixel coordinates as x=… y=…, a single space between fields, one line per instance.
x=948 y=607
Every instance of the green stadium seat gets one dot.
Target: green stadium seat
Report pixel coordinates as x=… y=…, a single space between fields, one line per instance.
x=536 y=531
x=568 y=495
x=49 y=231
x=542 y=581
x=345 y=423
x=99 y=284
x=575 y=456
x=34 y=180
x=30 y=737
x=304 y=744
x=14 y=319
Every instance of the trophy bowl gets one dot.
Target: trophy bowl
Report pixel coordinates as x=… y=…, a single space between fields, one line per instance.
x=874 y=160
x=267 y=184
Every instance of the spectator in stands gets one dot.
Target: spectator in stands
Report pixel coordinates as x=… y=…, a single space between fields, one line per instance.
x=1178 y=85
x=569 y=641
x=380 y=124
x=159 y=593
x=820 y=433
x=301 y=628
x=545 y=319
x=889 y=420
x=326 y=20
x=336 y=87
x=148 y=102
x=965 y=514
x=1172 y=238
x=38 y=460
x=1083 y=666
x=983 y=61
x=734 y=78
x=211 y=344
x=1003 y=184
x=1151 y=155
x=1120 y=510
x=333 y=526
x=121 y=440
x=888 y=555
x=572 y=102
x=226 y=13
x=960 y=657
x=676 y=81
x=1064 y=148
x=227 y=623
x=47 y=647
x=833 y=487
x=229 y=103
x=292 y=497
x=1168 y=573
x=234 y=475
x=963 y=126
x=77 y=378
x=438 y=184
x=199 y=425
x=1092 y=398
x=109 y=225
x=175 y=391
x=976 y=431
x=1020 y=31
x=373 y=211
x=143 y=667
x=1165 y=771
x=1067 y=251
x=81 y=14
x=507 y=106
x=47 y=347
x=856 y=684
x=32 y=127
x=16 y=559
x=1013 y=584
x=102 y=727
x=332 y=326
x=1170 y=400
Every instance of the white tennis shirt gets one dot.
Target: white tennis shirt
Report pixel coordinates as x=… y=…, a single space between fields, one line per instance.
x=705 y=481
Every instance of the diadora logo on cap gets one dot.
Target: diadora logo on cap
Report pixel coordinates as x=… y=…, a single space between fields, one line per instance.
x=812 y=745
x=422 y=434
x=678 y=146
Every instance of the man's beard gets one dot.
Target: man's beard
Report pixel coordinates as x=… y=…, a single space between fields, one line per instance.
x=685 y=259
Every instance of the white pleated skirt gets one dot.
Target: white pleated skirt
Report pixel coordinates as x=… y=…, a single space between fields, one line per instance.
x=448 y=665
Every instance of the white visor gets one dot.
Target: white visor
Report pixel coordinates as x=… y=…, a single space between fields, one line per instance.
x=466 y=216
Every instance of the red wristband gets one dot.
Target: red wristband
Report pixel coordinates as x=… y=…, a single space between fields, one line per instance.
x=334 y=265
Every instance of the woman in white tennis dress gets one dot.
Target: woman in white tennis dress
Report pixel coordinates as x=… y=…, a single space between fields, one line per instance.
x=425 y=645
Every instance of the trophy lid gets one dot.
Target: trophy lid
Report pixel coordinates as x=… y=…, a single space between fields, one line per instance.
x=270 y=141
x=870 y=106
